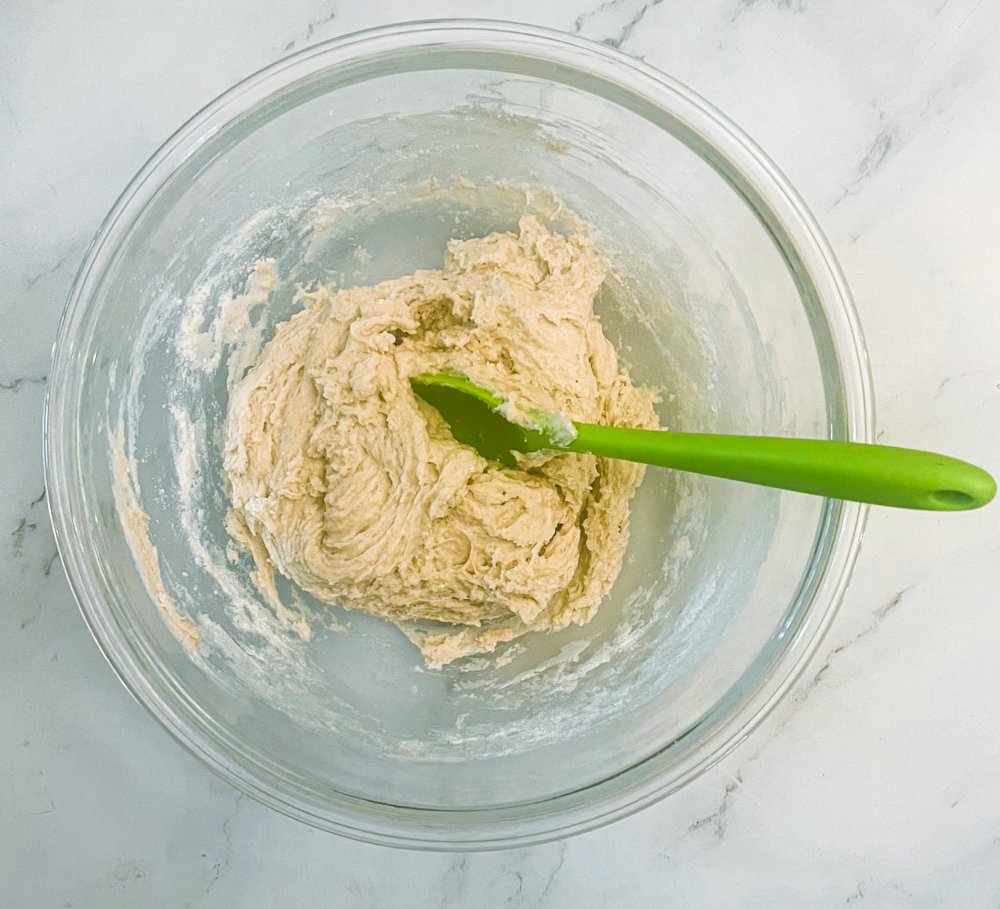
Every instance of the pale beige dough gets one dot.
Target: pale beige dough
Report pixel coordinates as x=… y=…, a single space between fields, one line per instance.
x=355 y=489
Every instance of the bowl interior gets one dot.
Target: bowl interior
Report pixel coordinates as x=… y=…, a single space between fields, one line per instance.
x=359 y=171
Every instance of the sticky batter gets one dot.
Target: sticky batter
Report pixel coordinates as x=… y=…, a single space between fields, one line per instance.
x=354 y=488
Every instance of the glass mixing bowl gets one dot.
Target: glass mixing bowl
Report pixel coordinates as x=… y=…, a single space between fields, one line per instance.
x=354 y=161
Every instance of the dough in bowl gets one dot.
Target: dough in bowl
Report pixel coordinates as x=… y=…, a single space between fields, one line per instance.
x=347 y=483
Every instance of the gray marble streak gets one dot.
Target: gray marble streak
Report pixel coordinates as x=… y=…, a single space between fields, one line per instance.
x=72 y=252
x=14 y=385
x=222 y=858
x=312 y=28
x=875 y=155
x=874 y=783
x=869 y=629
x=612 y=23
x=794 y=6
x=716 y=821
x=518 y=878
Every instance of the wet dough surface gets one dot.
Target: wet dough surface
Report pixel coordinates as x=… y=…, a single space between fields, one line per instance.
x=354 y=488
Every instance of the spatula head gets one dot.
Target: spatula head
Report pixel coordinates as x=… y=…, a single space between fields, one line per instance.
x=471 y=413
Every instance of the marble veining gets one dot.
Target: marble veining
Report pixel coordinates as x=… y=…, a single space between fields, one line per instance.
x=14 y=385
x=874 y=783
x=220 y=865
x=716 y=821
x=605 y=19
x=310 y=30
x=871 y=628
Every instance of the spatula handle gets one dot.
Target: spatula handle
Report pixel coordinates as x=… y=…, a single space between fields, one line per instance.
x=879 y=474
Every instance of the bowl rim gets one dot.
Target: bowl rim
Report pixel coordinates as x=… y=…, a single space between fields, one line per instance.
x=491 y=828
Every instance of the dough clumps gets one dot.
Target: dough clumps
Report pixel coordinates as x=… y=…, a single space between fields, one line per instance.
x=355 y=488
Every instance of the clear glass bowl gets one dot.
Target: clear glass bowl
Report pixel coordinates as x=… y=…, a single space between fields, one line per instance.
x=356 y=160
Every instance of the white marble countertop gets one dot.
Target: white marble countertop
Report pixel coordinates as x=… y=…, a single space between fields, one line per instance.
x=877 y=783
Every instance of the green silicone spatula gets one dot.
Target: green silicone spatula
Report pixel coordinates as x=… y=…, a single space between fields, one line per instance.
x=879 y=474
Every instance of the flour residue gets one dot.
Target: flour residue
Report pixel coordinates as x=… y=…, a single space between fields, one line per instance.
x=231 y=329
x=135 y=526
